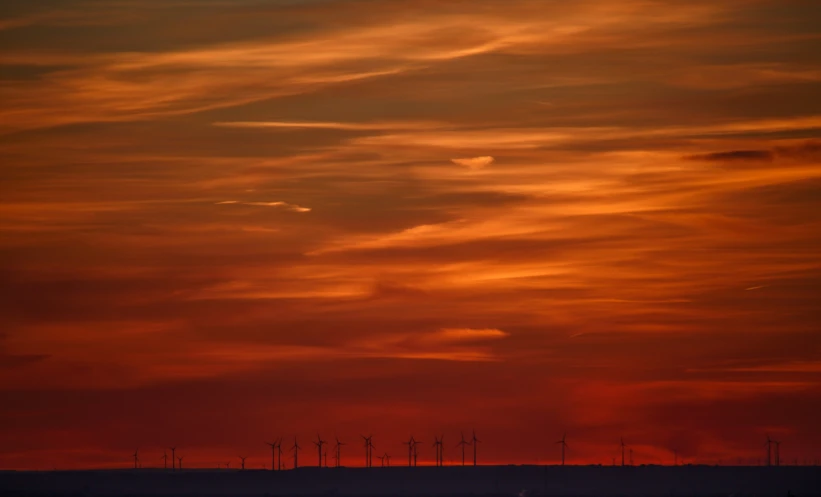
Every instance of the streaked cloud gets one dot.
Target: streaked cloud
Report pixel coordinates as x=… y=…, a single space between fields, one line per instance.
x=285 y=205
x=735 y=155
x=474 y=162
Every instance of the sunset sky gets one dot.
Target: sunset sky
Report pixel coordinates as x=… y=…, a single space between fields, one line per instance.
x=225 y=221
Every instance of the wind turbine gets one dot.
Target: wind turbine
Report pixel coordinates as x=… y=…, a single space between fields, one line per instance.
x=381 y=460
x=388 y=459
x=440 y=459
x=179 y=459
x=296 y=449
x=463 y=443
x=410 y=443
x=164 y=459
x=172 y=457
x=243 y=461
x=415 y=452
x=136 y=458
x=368 y=450
x=338 y=448
x=622 y=451
x=319 y=443
x=273 y=455
x=279 y=451
x=475 y=441
x=564 y=445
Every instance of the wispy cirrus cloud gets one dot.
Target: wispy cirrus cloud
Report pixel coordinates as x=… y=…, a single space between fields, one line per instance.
x=284 y=205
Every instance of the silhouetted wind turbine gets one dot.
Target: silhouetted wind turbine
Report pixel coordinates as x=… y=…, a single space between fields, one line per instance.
x=173 y=449
x=319 y=443
x=136 y=459
x=179 y=459
x=410 y=443
x=164 y=459
x=388 y=459
x=279 y=451
x=475 y=441
x=769 y=451
x=368 y=450
x=243 y=461
x=564 y=445
x=442 y=450
x=273 y=455
x=338 y=448
x=622 y=451
x=440 y=460
x=381 y=460
x=415 y=452
x=296 y=449
x=463 y=443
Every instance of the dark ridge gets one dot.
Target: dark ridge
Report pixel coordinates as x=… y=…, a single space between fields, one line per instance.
x=498 y=481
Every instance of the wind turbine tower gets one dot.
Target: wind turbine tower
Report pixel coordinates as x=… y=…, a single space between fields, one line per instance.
x=463 y=443
x=173 y=449
x=319 y=443
x=415 y=453
x=368 y=450
x=769 y=451
x=410 y=443
x=439 y=450
x=273 y=455
x=339 y=452
x=475 y=441
x=136 y=458
x=564 y=445
x=296 y=449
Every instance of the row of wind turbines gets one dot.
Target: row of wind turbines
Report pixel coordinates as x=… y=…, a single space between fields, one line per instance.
x=384 y=459
x=412 y=443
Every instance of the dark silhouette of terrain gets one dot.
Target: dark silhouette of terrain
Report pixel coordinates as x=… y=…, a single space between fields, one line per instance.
x=520 y=481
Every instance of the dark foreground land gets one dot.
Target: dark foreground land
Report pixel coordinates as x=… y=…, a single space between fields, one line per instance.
x=600 y=481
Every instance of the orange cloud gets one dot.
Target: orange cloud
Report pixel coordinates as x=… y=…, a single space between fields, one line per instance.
x=474 y=162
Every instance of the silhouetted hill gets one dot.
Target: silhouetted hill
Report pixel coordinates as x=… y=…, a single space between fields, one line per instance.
x=603 y=481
